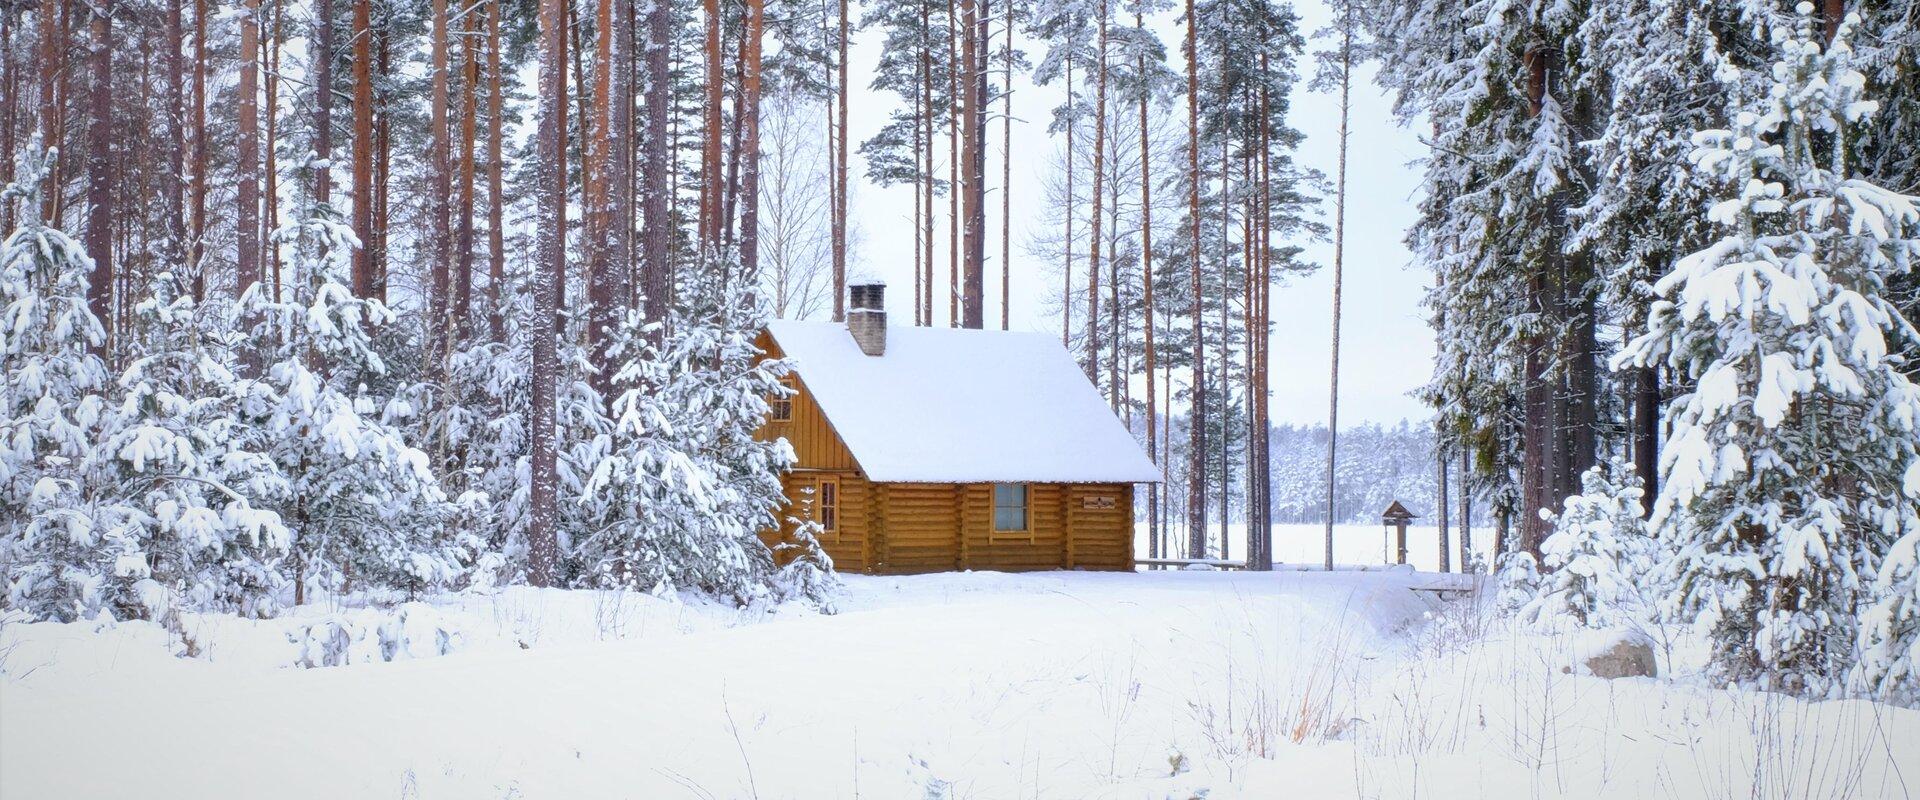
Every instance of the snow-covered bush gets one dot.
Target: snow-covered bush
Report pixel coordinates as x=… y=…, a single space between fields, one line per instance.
x=1597 y=556
x=1516 y=580
x=1792 y=462
x=56 y=558
x=363 y=504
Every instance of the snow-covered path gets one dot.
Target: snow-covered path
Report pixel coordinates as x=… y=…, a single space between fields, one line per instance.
x=981 y=685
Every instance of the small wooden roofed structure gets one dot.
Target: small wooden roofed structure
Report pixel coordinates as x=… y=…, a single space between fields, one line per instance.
x=1398 y=517
x=933 y=449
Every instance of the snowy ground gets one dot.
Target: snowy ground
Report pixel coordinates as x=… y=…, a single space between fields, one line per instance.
x=983 y=685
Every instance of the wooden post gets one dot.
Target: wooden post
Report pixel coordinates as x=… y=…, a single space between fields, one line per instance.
x=963 y=561
x=878 y=533
x=1066 y=524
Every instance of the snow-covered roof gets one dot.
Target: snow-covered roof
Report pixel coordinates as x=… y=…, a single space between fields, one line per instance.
x=951 y=405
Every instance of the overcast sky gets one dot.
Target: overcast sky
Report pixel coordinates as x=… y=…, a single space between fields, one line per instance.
x=1387 y=347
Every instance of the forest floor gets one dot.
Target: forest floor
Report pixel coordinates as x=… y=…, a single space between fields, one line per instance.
x=972 y=685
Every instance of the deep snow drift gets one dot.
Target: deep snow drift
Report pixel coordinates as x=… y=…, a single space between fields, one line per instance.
x=982 y=685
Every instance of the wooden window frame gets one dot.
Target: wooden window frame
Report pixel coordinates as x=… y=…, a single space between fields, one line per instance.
x=780 y=408
x=1025 y=533
x=821 y=507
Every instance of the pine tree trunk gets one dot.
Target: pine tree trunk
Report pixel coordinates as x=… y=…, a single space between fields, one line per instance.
x=197 y=161
x=363 y=144
x=954 y=114
x=1226 y=332
x=549 y=272
x=597 y=201
x=1099 y=175
x=1116 y=395
x=1197 y=405
x=923 y=180
x=656 y=192
x=1646 y=433
x=247 y=271
x=750 y=143
x=840 y=176
x=1339 y=262
x=1536 y=436
x=1466 y=512
x=11 y=102
x=439 y=190
x=710 y=150
x=323 y=102
x=1260 y=554
x=974 y=161
x=1006 y=180
x=584 y=126
x=1066 y=269
x=53 y=41
x=382 y=164
x=462 y=310
x=496 y=200
x=1146 y=304
x=1583 y=373
x=175 y=188
x=1444 y=503
x=925 y=282
x=626 y=150
x=270 y=174
x=100 y=167
x=730 y=186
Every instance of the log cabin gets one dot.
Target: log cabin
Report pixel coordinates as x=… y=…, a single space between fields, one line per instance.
x=936 y=449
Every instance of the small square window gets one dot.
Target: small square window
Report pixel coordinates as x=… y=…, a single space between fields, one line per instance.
x=782 y=402
x=1010 y=508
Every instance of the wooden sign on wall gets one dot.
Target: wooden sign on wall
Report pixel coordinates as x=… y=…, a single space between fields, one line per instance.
x=1103 y=502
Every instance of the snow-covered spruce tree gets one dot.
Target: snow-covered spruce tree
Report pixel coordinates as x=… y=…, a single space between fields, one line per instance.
x=1497 y=180
x=1795 y=460
x=176 y=485
x=683 y=489
x=56 y=561
x=1599 y=551
x=364 y=507
x=483 y=420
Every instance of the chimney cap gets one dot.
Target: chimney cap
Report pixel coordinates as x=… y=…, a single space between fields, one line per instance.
x=866 y=282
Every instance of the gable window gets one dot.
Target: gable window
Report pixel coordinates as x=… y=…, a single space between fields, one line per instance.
x=782 y=402
x=1010 y=508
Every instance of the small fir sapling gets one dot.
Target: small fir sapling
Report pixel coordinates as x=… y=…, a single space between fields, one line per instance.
x=1597 y=556
x=186 y=489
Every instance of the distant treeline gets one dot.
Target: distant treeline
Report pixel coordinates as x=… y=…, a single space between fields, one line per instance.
x=1376 y=465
